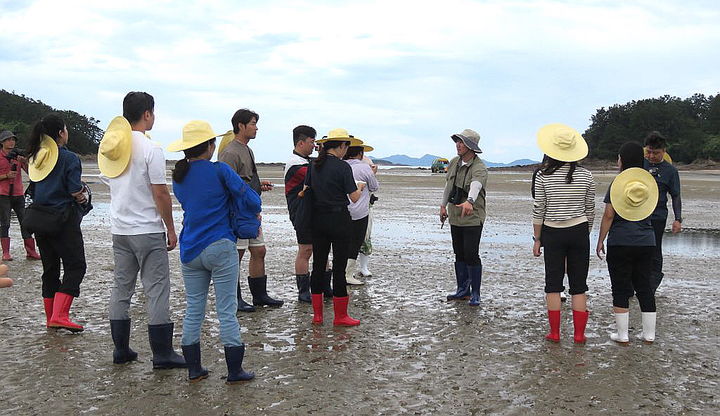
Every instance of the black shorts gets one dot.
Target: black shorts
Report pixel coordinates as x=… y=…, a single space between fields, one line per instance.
x=566 y=250
x=304 y=236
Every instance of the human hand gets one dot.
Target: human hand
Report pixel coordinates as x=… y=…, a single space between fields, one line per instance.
x=11 y=174
x=600 y=250
x=266 y=186
x=360 y=185
x=466 y=207
x=171 y=240
x=80 y=197
x=536 y=248
x=676 y=227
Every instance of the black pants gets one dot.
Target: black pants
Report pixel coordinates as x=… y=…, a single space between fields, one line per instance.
x=66 y=246
x=466 y=244
x=566 y=246
x=629 y=267
x=357 y=235
x=330 y=229
x=12 y=203
x=657 y=274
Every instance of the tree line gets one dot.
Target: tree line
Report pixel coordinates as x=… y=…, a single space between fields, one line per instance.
x=19 y=113
x=691 y=125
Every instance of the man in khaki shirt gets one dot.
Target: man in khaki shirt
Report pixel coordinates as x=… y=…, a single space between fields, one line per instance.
x=240 y=157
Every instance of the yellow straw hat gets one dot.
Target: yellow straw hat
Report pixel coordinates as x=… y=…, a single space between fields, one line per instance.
x=40 y=165
x=228 y=137
x=115 y=148
x=634 y=194
x=562 y=142
x=357 y=142
x=194 y=133
x=341 y=135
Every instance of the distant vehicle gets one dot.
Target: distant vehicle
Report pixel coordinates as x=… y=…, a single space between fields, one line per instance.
x=439 y=165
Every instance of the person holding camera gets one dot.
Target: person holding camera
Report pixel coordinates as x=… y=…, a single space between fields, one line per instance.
x=463 y=203
x=11 y=195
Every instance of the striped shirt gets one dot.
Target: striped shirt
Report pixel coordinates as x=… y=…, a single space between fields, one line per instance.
x=559 y=204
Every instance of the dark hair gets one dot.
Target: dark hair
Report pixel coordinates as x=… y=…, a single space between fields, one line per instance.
x=322 y=154
x=135 y=104
x=50 y=125
x=182 y=166
x=243 y=116
x=353 y=152
x=631 y=155
x=550 y=165
x=303 y=132
x=655 y=140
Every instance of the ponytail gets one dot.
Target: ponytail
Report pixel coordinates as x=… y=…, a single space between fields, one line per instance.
x=322 y=154
x=182 y=166
x=50 y=125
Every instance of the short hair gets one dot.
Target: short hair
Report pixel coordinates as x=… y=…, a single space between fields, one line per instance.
x=135 y=104
x=243 y=116
x=303 y=132
x=354 y=152
x=655 y=140
x=631 y=155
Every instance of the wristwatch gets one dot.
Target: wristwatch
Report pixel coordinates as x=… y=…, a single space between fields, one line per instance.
x=471 y=200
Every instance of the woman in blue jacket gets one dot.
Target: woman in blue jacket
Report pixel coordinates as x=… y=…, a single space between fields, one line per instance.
x=207 y=244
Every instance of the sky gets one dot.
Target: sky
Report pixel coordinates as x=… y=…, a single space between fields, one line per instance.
x=402 y=75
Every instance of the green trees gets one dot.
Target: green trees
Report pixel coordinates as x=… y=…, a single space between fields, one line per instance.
x=691 y=125
x=18 y=114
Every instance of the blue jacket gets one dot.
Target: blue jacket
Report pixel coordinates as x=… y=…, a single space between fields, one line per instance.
x=668 y=181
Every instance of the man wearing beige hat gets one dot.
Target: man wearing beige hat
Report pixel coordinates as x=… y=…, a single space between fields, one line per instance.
x=234 y=151
x=134 y=168
x=463 y=202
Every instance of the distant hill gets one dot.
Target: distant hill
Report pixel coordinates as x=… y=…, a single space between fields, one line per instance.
x=404 y=160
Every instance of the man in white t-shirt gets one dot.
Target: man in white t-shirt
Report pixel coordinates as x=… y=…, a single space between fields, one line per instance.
x=140 y=212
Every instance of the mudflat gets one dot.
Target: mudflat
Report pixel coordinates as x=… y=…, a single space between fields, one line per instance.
x=413 y=352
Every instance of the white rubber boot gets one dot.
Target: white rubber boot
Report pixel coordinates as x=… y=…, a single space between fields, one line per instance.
x=621 y=322
x=648 y=332
x=350 y=273
x=363 y=260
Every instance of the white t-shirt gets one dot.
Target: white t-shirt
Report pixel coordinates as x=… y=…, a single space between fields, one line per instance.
x=132 y=207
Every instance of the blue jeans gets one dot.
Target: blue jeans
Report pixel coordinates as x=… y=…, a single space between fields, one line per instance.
x=219 y=263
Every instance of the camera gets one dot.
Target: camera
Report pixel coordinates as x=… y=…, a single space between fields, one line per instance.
x=373 y=198
x=14 y=153
x=457 y=195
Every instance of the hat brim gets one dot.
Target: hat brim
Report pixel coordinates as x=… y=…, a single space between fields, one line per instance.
x=35 y=173
x=467 y=142
x=114 y=168
x=334 y=139
x=545 y=141
x=183 y=144
x=228 y=137
x=617 y=194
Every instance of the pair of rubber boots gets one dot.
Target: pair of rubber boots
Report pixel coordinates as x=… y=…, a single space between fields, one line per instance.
x=258 y=289
x=468 y=280
x=30 y=250
x=57 y=312
x=233 y=358
x=160 y=336
x=647 y=336
x=580 y=319
x=340 y=307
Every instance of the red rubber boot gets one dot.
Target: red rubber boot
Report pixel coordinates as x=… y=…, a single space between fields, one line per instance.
x=580 y=319
x=61 y=313
x=5 y=242
x=340 y=305
x=48 y=302
x=554 y=318
x=317 y=304
x=30 y=249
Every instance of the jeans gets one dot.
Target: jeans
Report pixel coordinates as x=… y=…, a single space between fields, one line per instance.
x=219 y=263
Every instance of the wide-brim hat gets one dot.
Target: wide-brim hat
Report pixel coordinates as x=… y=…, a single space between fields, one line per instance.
x=358 y=142
x=40 y=165
x=115 y=148
x=562 y=142
x=194 y=133
x=634 y=194
x=470 y=138
x=336 y=135
x=228 y=137
x=6 y=134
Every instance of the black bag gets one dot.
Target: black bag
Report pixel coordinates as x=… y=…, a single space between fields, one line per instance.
x=45 y=220
x=457 y=194
x=304 y=205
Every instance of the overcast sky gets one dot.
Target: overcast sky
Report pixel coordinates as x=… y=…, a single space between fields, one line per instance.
x=403 y=75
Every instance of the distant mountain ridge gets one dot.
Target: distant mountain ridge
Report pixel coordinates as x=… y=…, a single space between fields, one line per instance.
x=428 y=159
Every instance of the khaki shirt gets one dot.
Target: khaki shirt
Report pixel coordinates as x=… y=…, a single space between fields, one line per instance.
x=475 y=170
x=241 y=159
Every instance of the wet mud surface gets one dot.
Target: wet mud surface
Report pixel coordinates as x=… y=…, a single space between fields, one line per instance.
x=413 y=352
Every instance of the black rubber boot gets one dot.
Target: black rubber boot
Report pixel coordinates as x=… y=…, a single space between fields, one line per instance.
x=196 y=372
x=258 y=288
x=303 y=285
x=161 y=345
x=475 y=273
x=120 y=331
x=327 y=284
x=234 y=359
x=242 y=305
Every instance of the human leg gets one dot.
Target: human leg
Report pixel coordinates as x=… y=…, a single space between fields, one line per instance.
x=18 y=205
x=462 y=279
x=5 y=207
x=70 y=246
x=471 y=246
x=125 y=275
x=619 y=260
x=656 y=274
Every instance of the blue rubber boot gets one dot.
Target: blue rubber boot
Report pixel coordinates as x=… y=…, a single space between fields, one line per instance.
x=196 y=371
x=234 y=358
x=120 y=331
x=475 y=273
x=164 y=356
x=463 y=282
